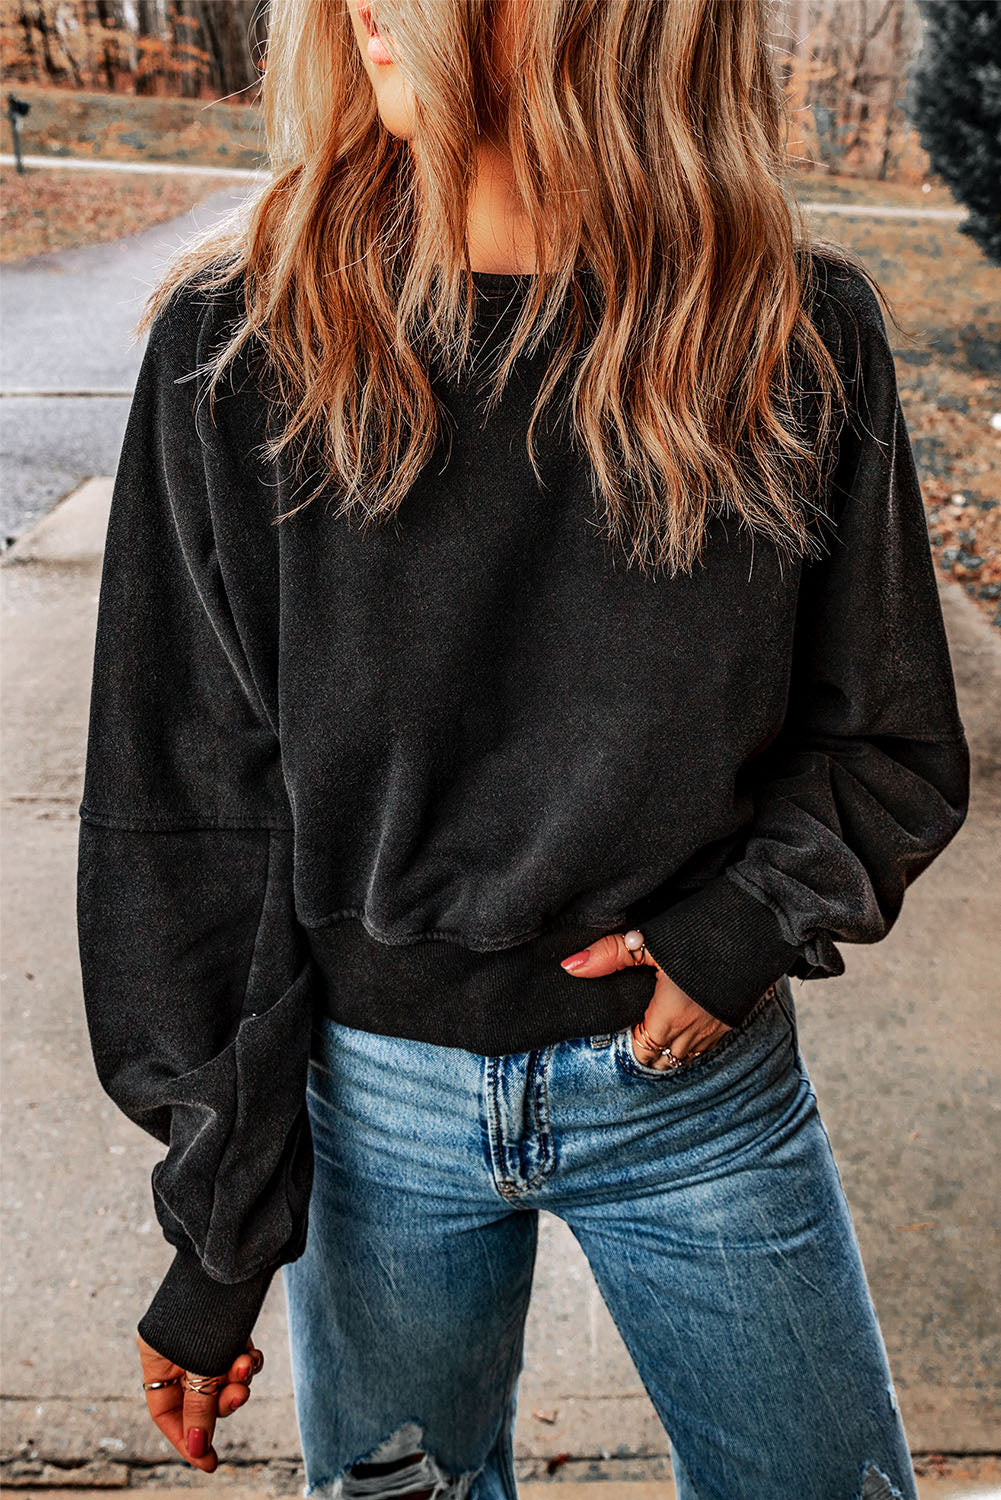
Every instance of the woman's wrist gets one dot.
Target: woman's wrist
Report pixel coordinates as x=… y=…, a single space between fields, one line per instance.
x=199 y=1323
x=721 y=947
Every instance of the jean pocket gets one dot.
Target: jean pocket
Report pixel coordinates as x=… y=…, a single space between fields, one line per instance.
x=703 y=1061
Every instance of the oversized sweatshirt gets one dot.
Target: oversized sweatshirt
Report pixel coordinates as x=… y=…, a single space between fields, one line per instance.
x=396 y=777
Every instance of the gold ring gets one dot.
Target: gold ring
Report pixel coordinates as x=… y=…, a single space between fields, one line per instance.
x=662 y=1051
x=202 y=1385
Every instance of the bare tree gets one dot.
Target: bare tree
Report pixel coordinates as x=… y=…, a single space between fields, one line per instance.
x=27 y=25
x=229 y=35
x=54 y=69
x=190 y=58
x=897 y=83
x=846 y=67
x=111 y=20
x=152 y=46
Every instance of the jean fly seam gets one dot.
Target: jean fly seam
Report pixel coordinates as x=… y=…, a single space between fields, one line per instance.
x=541 y=1102
x=498 y=1153
x=541 y=1116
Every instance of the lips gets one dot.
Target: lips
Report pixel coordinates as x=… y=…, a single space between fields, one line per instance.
x=378 y=52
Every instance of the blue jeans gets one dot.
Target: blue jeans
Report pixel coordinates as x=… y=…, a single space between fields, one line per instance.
x=710 y=1208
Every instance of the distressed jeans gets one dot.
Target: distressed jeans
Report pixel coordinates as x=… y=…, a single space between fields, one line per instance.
x=707 y=1202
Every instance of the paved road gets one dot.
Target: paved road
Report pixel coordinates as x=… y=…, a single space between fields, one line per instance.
x=964 y=1480
x=67 y=320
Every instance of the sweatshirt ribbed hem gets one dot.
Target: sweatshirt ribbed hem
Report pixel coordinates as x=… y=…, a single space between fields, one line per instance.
x=718 y=944
x=722 y=946
x=436 y=990
x=199 y=1323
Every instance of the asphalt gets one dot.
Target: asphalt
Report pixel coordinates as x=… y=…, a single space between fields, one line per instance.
x=902 y=1050
x=68 y=318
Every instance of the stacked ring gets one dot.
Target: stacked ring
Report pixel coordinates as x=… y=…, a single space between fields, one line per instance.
x=665 y=1051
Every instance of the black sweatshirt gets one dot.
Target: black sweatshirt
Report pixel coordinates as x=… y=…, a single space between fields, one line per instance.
x=398 y=777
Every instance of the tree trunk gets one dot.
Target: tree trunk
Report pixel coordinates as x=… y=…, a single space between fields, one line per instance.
x=150 y=34
x=30 y=50
x=54 y=71
x=111 y=20
x=188 y=49
x=896 y=79
x=226 y=36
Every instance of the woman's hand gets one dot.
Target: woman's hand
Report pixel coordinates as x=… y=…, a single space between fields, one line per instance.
x=188 y=1419
x=672 y=1018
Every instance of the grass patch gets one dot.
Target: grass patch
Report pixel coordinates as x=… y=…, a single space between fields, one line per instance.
x=821 y=187
x=126 y=127
x=49 y=209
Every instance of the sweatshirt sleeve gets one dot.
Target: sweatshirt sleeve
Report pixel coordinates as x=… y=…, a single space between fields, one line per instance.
x=195 y=979
x=869 y=779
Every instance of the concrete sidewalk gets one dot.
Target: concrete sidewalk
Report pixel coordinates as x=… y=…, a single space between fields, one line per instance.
x=978 y=1479
x=902 y=1051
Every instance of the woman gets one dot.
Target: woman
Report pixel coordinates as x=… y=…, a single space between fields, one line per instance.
x=446 y=852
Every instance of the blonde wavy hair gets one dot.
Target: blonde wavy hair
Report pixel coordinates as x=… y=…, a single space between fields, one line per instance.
x=647 y=141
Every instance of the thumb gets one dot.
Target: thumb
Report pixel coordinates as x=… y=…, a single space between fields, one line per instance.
x=198 y=1423
x=605 y=956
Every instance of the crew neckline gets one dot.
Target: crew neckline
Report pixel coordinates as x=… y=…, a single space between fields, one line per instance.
x=512 y=278
x=500 y=280
x=501 y=275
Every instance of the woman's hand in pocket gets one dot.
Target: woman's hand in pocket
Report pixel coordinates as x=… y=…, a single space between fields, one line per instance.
x=672 y=1019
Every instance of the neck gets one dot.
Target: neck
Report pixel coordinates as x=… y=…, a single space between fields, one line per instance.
x=498 y=231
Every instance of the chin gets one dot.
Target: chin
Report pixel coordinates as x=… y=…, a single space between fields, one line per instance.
x=395 y=106
x=397 y=121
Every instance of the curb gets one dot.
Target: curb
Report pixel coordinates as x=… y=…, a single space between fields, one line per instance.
x=72 y=532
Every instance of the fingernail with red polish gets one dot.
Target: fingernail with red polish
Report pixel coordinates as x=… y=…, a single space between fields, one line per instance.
x=196 y=1442
x=576 y=959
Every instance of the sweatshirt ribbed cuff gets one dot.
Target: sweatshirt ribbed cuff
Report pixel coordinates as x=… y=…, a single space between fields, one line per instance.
x=199 y=1323
x=721 y=946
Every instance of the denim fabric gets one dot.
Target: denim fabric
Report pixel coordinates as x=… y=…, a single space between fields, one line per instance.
x=394 y=774
x=706 y=1200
